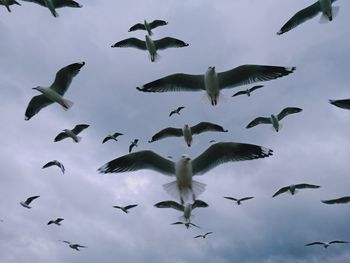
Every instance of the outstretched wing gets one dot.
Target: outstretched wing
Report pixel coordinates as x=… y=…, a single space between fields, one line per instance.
x=345 y=104
x=257 y=121
x=246 y=198
x=131 y=42
x=282 y=190
x=30 y=199
x=230 y=198
x=168 y=42
x=206 y=126
x=302 y=186
x=338 y=242
x=256 y=87
x=35 y=105
x=65 y=76
x=80 y=127
x=61 y=136
x=157 y=23
x=315 y=243
x=167 y=132
x=170 y=204
x=242 y=92
x=199 y=203
x=287 y=111
x=137 y=26
x=341 y=200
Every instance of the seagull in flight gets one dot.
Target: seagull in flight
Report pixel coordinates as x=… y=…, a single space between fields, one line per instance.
x=55 y=92
x=247 y=91
x=133 y=144
x=73 y=246
x=321 y=6
x=176 y=111
x=238 y=201
x=184 y=169
x=7 y=3
x=186 y=224
x=327 y=244
x=213 y=82
x=27 y=202
x=125 y=209
x=55 y=162
x=204 y=236
x=187 y=131
x=293 y=188
x=56 y=221
x=274 y=120
x=148 y=26
x=53 y=4
x=66 y=133
x=112 y=137
x=341 y=200
x=344 y=104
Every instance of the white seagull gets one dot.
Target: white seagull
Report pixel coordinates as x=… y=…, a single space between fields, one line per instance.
x=293 y=188
x=238 y=201
x=327 y=244
x=148 y=26
x=55 y=162
x=151 y=45
x=125 y=209
x=186 y=224
x=56 y=221
x=213 y=82
x=204 y=236
x=112 y=137
x=55 y=92
x=73 y=246
x=184 y=187
x=341 y=200
x=321 y=6
x=247 y=91
x=7 y=3
x=177 y=111
x=274 y=120
x=187 y=131
x=344 y=104
x=53 y=4
x=66 y=133
x=27 y=202
x=133 y=144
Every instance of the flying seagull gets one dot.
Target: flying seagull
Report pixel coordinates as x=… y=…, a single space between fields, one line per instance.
x=186 y=224
x=203 y=236
x=7 y=3
x=187 y=131
x=151 y=45
x=177 y=111
x=55 y=92
x=344 y=104
x=212 y=82
x=53 y=4
x=148 y=26
x=247 y=91
x=326 y=244
x=184 y=187
x=341 y=200
x=274 y=120
x=56 y=221
x=133 y=144
x=238 y=201
x=71 y=133
x=73 y=246
x=112 y=137
x=125 y=208
x=321 y=6
x=54 y=162
x=27 y=202
x=293 y=188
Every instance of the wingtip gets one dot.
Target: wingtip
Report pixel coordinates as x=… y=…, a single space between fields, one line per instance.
x=138 y=88
x=280 y=32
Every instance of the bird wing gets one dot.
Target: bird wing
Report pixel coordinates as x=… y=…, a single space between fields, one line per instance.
x=259 y=120
x=78 y=128
x=30 y=199
x=137 y=27
x=157 y=23
x=246 y=198
x=119 y=207
x=137 y=161
x=287 y=111
x=206 y=126
x=300 y=17
x=59 y=220
x=247 y=74
x=66 y=3
x=50 y=222
x=180 y=108
x=198 y=236
x=49 y=164
x=341 y=200
x=35 y=105
x=65 y=76
x=172 y=112
x=130 y=206
x=116 y=134
x=61 y=136
x=208 y=233
x=230 y=198
x=256 y=87
x=345 y=104
x=199 y=203
x=242 y=92
x=65 y=241
x=175 y=82
x=177 y=223
x=170 y=204
x=131 y=42
x=192 y=224
x=302 y=186
x=338 y=242
x=168 y=42
x=107 y=139
x=167 y=132
x=315 y=243
x=223 y=152
x=282 y=190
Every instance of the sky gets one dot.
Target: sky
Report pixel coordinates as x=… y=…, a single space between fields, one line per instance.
x=312 y=147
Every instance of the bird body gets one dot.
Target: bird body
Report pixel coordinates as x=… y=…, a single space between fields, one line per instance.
x=73 y=246
x=133 y=144
x=52 y=95
x=151 y=47
x=212 y=85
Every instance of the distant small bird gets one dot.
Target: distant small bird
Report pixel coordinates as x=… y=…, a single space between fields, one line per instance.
x=177 y=111
x=125 y=208
x=247 y=91
x=186 y=224
x=54 y=162
x=27 y=202
x=345 y=104
x=211 y=141
x=73 y=246
x=72 y=133
x=203 y=236
x=148 y=26
x=327 y=244
x=7 y=3
x=112 y=137
x=274 y=120
x=341 y=200
x=56 y=221
x=293 y=188
x=53 y=4
x=133 y=144
x=238 y=201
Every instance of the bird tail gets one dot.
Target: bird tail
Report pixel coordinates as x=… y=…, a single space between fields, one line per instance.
x=198 y=187
x=185 y=194
x=78 y=139
x=155 y=58
x=66 y=104
x=326 y=18
x=172 y=189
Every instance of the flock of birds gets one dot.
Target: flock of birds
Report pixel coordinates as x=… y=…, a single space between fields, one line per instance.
x=184 y=189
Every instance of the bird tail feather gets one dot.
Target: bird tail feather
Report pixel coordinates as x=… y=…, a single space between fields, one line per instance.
x=67 y=104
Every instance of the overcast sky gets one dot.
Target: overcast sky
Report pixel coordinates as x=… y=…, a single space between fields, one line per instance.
x=312 y=147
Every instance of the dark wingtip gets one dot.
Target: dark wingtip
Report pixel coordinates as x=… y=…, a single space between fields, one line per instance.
x=332 y=102
x=138 y=88
x=225 y=131
x=280 y=32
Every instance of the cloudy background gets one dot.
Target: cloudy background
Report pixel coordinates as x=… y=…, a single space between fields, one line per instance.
x=312 y=147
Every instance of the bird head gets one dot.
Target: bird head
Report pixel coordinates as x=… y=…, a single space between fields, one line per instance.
x=185 y=157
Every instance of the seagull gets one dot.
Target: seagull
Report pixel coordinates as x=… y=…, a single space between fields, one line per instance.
x=57 y=221
x=55 y=92
x=274 y=120
x=177 y=111
x=212 y=82
x=326 y=244
x=293 y=187
x=187 y=131
x=73 y=246
x=247 y=91
x=112 y=137
x=321 y=6
x=53 y=4
x=125 y=208
x=185 y=168
x=345 y=104
x=27 y=202
x=186 y=224
x=239 y=201
x=7 y=3
x=71 y=133
x=341 y=200
x=133 y=144
x=148 y=26
x=151 y=45
x=203 y=236
x=54 y=162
